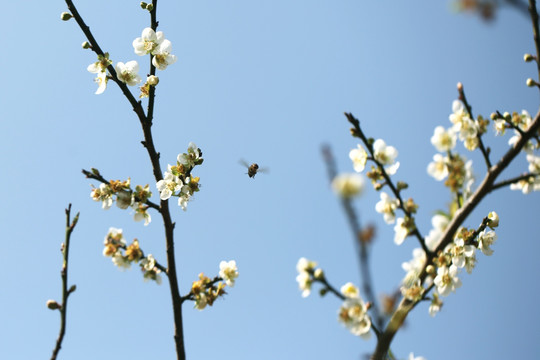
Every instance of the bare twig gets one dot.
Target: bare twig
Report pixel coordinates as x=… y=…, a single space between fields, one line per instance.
x=65 y=291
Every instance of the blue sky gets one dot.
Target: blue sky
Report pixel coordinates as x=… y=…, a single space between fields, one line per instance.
x=268 y=82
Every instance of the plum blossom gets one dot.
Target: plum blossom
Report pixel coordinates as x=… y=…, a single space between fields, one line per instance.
x=228 y=272
x=169 y=185
x=128 y=72
x=353 y=314
x=304 y=267
x=438 y=169
x=348 y=185
x=485 y=240
x=387 y=207
x=148 y=42
x=359 y=158
x=386 y=155
x=447 y=280
x=401 y=231
x=443 y=140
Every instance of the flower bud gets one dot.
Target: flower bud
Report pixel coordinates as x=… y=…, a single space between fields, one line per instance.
x=528 y=57
x=318 y=274
x=53 y=305
x=530 y=82
x=430 y=269
x=143 y=5
x=86 y=45
x=149 y=7
x=152 y=80
x=494 y=116
x=72 y=288
x=493 y=219
x=65 y=16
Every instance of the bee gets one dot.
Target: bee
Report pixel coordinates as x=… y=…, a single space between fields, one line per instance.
x=253 y=169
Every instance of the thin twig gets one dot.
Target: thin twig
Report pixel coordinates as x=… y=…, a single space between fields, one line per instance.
x=64 y=274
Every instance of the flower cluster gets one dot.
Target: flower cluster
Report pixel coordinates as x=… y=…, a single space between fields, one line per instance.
x=521 y=123
x=384 y=157
x=450 y=165
x=305 y=270
x=151 y=43
x=444 y=273
x=353 y=312
x=178 y=181
x=124 y=255
x=121 y=193
x=205 y=291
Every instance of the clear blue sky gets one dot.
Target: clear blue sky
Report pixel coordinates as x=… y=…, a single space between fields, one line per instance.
x=266 y=81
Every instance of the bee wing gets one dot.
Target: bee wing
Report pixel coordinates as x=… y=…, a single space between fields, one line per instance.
x=264 y=170
x=244 y=163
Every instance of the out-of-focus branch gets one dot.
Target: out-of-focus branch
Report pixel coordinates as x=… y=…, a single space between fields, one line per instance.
x=361 y=246
x=53 y=305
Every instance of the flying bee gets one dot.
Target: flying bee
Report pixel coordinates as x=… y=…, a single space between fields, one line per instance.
x=253 y=169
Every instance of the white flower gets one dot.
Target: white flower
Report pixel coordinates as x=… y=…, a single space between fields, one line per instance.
x=141 y=214
x=439 y=223
x=348 y=185
x=104 y=194
x=534 y=163
x=443 y=140
x=500 y=126
x=350 y=291
x=387 y=206
x=353 y=314
x=359 y=158
x=468 y=180
x=462 y=255
x=190 y=158
x=532 y=183
x=162 y=55
x=148 y=42
x=304 y=279
x=127 y=73
x=401 y=231
x=411 y=357
x=485 y=240
x=101 y=80
x=228 y=272
x=386 y=155
x=169 y=185
x=458 y=112
x=447 y=280
x=304 y=283
x=414 y=267
x=438 y=168
x=435 y=305
x=121 y=261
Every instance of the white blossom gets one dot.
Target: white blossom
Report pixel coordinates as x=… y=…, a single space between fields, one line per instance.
x=447 y=280
x=353 y=314
x=359 y=158
x=348 y=185
x=128 y=72
x=228 y=272
x=349 y=290
x=443 y=140
x=169 y=185
x=438 y=168
x=485 y=240
x=162 y=55
x=387 y=207
x=148 y=42
x=386 y=155
x=400 y=231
